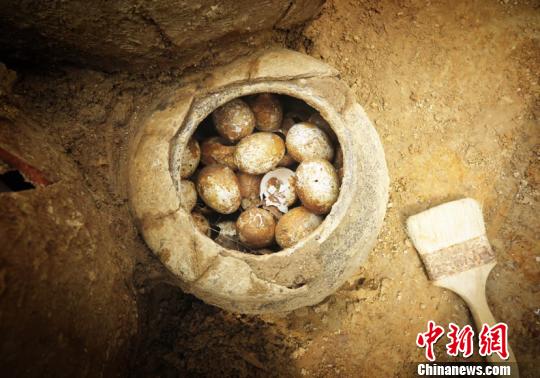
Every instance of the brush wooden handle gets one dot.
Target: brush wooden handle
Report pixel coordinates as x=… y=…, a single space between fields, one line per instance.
x=471 y=286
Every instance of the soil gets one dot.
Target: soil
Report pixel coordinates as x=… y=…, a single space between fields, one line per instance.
x=453 y=91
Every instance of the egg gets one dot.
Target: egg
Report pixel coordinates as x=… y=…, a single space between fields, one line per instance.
x=277 y=189
x=234 y=120
x=317 y=185
x=256 y=228
x=227 y=237
x=190 y=158
x=321 y=123
x=287 y=161
x=218 y=187
x=286 y=124
x=215 y=151
x=268 y=112
x=188 y=195
x=274 y=211
x=306 y=141
x=296 y=225
x=201 y=223
x=249 y=189
x=259 y=153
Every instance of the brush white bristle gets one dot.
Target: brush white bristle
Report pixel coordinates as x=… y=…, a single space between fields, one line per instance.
x=446 y=225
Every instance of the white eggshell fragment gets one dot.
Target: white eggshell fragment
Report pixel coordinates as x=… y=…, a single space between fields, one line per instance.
x=190 y=158
x=306 y=141
x=234 y=120
x=218 y=187
x=188 y=195
x=317 y=185
x=296 y=225
x=256 y=227
x=268 y=112
x=258 y=153
x=278 y=189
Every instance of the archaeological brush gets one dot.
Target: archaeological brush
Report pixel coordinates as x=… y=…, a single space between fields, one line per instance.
x=451 y=240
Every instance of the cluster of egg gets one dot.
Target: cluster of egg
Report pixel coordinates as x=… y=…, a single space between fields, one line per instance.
x=280 y=173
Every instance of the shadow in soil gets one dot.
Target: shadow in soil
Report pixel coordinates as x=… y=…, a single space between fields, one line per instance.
x=179 y=335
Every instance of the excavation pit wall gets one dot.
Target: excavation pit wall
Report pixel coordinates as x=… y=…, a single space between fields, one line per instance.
x=294 y=277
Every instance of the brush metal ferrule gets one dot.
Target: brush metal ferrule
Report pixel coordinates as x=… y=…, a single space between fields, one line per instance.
x=458 y=257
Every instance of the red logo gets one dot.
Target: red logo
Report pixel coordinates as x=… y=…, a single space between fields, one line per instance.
x=494 y=340
x=491 y=340
x=460 y=340
x=429 y=338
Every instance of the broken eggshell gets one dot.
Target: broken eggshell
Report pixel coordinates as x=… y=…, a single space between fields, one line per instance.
x=278 y=189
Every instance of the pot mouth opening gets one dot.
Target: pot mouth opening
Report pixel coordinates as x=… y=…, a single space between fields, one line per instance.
x=298 y=107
